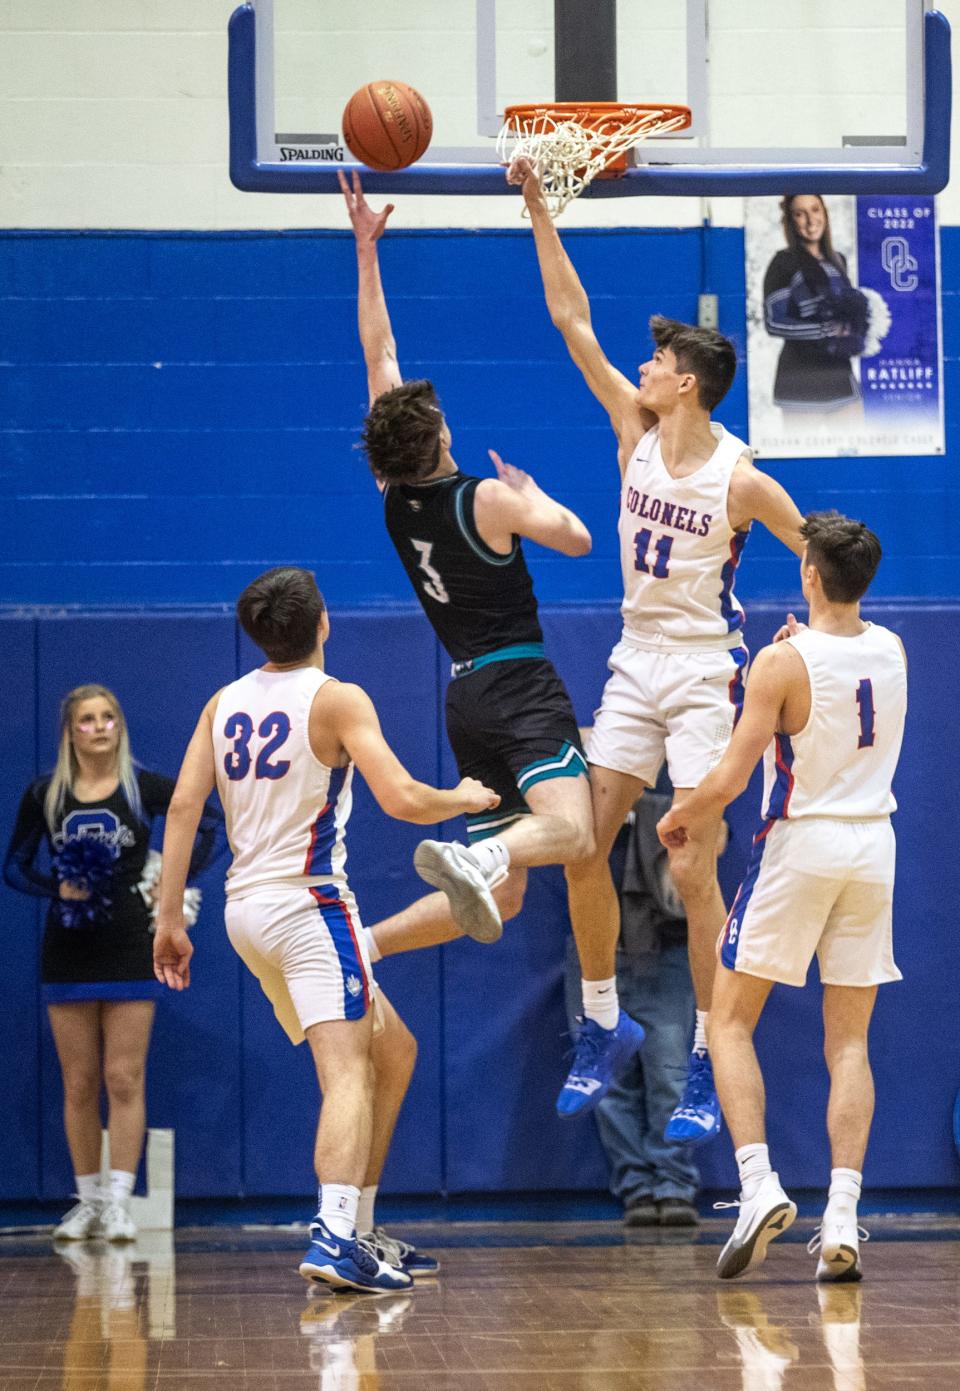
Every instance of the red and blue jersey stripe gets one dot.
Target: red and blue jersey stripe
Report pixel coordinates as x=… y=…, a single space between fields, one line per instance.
x=731 y=614
x=778 y=806
x=323 y=833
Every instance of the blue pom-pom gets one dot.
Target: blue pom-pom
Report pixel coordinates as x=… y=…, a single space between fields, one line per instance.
x=88 y=862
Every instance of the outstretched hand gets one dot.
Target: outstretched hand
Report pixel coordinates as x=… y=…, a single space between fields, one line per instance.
x=368 y=226
x=514 y=477
x=790 y=629
x=523 y=171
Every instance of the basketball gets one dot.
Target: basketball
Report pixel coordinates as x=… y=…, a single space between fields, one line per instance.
x=387 y=125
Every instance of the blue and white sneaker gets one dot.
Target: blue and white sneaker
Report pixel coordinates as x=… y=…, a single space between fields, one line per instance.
x=697 y=1118
x=599 y=1058
x=401 y=1253
x=347 y=1264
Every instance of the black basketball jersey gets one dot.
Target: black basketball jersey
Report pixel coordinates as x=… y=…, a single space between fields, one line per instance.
x=476 y=600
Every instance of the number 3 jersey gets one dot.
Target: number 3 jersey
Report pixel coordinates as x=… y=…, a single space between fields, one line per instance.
x=476 y=600
x=286 y=812
x=842 y=762
x=678 y=551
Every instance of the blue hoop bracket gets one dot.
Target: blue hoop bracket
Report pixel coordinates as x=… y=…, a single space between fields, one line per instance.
x=677 y=180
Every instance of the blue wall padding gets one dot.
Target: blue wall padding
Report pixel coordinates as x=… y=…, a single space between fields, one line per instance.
x=179 y=410
x=489 y=1020
x=20 y=1096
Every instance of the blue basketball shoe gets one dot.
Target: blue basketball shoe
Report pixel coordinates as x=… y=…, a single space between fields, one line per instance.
x=347 y=1264
x=697 y=1118
x=598 y=1060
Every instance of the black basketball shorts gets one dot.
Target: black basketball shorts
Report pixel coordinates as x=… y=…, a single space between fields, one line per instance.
x=511 y=725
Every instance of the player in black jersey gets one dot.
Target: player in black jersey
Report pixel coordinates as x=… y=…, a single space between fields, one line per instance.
x=509 y=718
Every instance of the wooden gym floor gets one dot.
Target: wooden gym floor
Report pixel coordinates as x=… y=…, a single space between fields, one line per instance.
x=538 y=1306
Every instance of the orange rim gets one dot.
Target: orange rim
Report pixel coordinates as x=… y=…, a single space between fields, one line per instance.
x=605 y=115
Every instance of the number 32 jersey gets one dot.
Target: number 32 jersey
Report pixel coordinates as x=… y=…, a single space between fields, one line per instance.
x=286 y=811
x=678 y=551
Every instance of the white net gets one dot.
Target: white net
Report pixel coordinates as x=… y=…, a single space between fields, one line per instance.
x=570 y=146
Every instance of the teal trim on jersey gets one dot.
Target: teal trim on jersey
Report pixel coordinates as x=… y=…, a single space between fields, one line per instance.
x=568 y=763
x=514 y=653
x=476 y=543
x=482 y=827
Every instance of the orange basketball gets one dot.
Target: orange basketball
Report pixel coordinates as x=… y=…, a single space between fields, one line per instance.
x=387 y=125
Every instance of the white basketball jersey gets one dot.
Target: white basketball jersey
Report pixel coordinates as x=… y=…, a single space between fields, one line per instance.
x=842 y=762
x=678 y=551
x=285 y=810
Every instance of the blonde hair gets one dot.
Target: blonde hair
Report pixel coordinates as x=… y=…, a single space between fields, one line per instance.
x=67 y=768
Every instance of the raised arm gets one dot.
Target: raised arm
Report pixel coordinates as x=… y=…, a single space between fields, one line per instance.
x=773 y=670
x=570 y=311
x=172 y=948
x=376 y=335
x=348 y=712
x=755 y=496
x=513 y=505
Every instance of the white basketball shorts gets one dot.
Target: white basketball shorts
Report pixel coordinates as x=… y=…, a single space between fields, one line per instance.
x=667 y=703
x=307 y=949
x=816 y=886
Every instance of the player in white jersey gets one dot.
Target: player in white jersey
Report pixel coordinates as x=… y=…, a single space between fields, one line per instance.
x=825 y=706
x=280 y=744
x=689 y=494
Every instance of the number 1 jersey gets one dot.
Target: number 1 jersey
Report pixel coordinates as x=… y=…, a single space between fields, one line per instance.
x=476 y=600
x=842 y=762
x=678 y=551
x=286 y=812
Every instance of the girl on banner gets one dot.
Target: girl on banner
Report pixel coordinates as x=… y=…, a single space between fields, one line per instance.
x=94 y=814
x=824 y=320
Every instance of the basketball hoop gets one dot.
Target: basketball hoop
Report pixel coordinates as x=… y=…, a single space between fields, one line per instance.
x=571 y=143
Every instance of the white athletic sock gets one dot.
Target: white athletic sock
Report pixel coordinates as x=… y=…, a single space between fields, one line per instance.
x=88 y=1187
x=120 y=1187
x=489 y=855
x=601 y=1002
x=753 y=1162
x=700 y=1032
x=845 y=1186
x=338 y=1208
x=375 y=953
x=365 y=1219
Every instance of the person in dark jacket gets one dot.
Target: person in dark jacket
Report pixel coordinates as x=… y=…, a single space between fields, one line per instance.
x=809 y=302
x=655 y=1180
x=93 y=816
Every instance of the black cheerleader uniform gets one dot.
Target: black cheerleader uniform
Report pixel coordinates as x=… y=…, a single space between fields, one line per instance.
x=109 y=956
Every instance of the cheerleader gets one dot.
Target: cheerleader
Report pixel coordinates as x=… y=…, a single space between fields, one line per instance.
x=94 y=815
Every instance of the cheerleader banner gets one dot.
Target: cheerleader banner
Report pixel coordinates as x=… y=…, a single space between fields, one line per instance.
x=843 y=326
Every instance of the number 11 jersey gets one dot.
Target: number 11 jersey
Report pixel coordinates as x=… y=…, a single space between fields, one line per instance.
x=286 y=812
x=678 y=552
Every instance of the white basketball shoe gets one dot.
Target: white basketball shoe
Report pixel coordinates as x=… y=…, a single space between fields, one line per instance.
x=81 y=1223
x=763 y=1217
x=450 y=868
